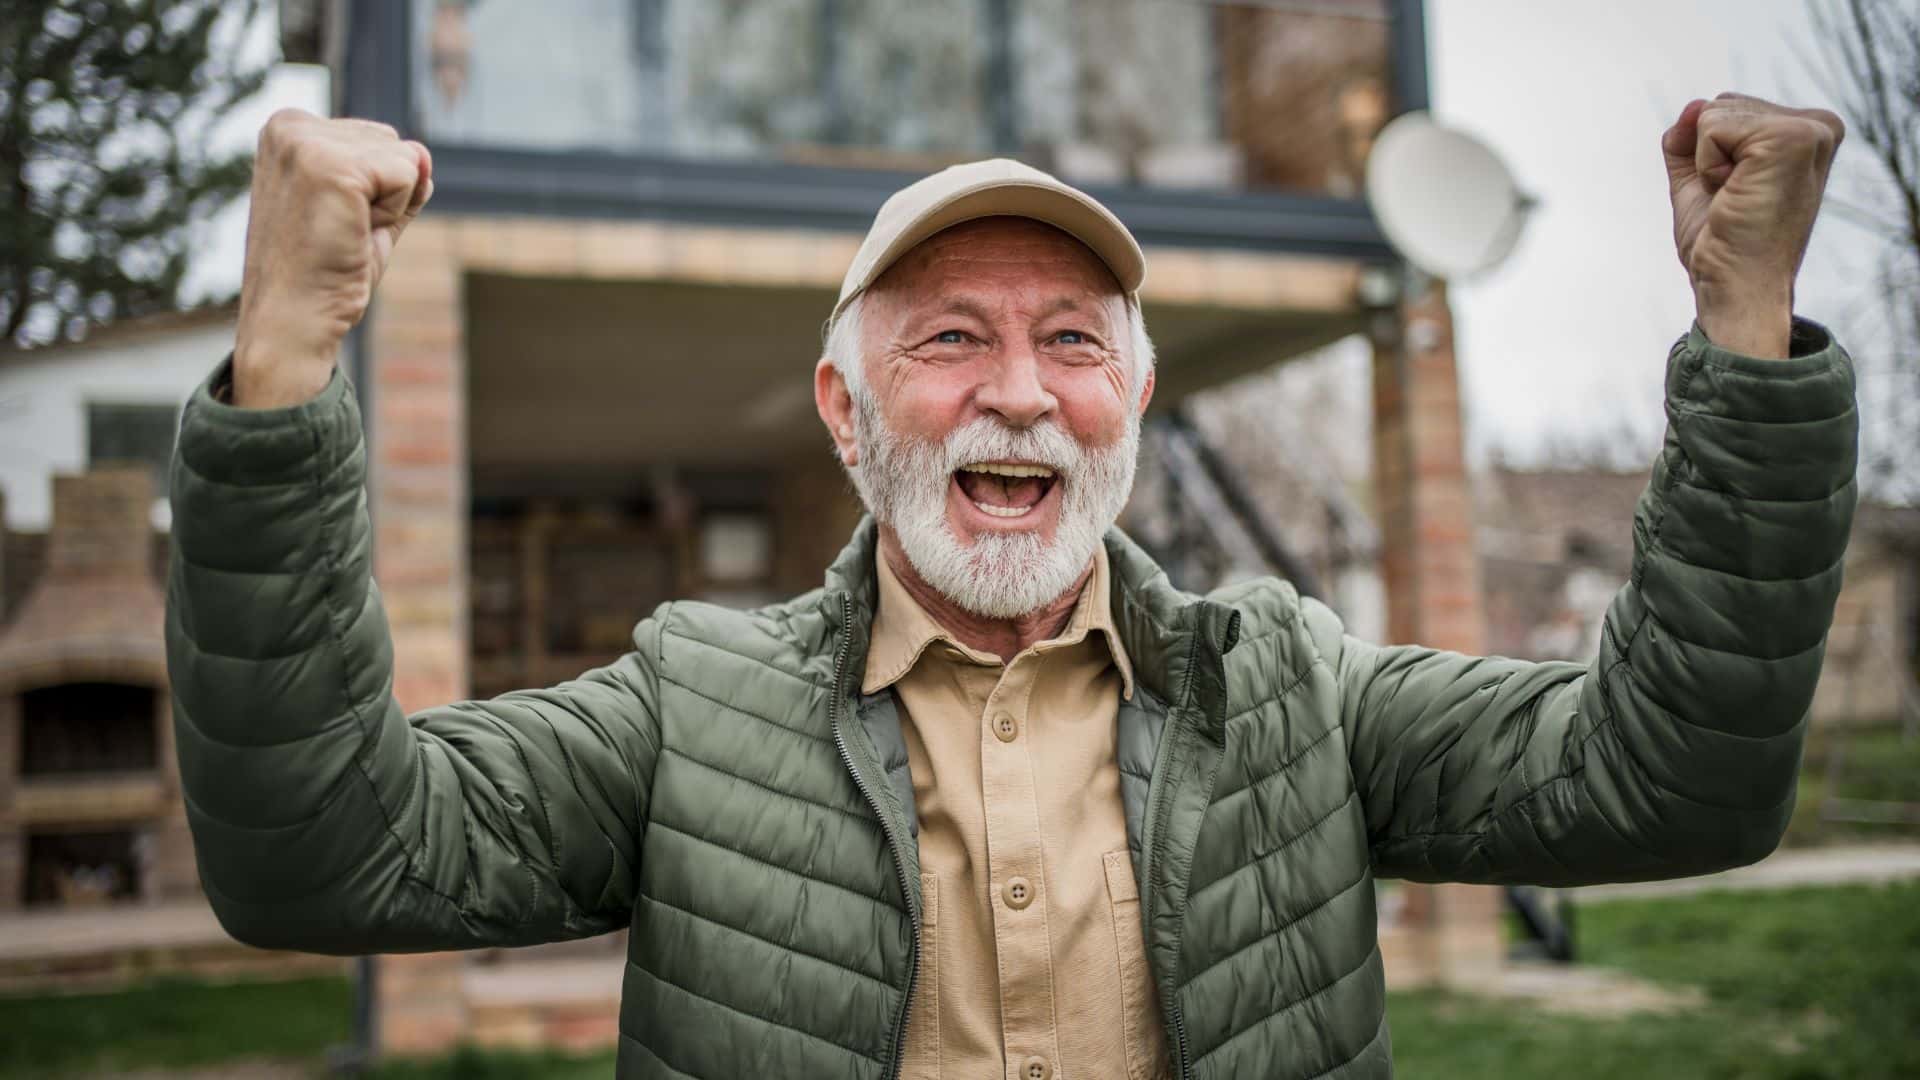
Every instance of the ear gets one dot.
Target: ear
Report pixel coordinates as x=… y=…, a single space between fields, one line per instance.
x=1146 y=392
x=835 y=405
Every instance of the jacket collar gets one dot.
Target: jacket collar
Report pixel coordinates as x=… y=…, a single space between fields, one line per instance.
x=902 y=630
x=1176 y=641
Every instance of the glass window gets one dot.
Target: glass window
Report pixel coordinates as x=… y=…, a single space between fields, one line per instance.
x=121 y=433
x=1165 y=93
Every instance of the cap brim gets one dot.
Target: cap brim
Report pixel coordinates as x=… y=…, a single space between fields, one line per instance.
x=1064 y=209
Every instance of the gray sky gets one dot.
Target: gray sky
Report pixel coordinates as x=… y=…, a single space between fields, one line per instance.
x=1567 y=340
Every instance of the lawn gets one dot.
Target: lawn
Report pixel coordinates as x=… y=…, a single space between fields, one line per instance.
x=1804 y=984
x=1877 y=765
x=476 y=1065
x=1801 y=984
x=166 y=1024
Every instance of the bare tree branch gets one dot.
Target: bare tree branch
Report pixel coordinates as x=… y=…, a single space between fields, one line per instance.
x=1866 y=56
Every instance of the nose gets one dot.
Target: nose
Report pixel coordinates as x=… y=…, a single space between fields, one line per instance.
x=1013 y=388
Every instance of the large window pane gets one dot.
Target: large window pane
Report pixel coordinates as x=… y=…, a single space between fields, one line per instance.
x=1167 y=93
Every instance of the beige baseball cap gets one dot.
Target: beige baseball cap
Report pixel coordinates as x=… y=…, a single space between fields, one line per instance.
x=997 y=187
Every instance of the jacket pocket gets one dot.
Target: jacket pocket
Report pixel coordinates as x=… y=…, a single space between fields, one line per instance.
x=1139 y=1004
x=921 y=1061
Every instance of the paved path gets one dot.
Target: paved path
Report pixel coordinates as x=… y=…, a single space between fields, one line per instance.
x=1843 y=864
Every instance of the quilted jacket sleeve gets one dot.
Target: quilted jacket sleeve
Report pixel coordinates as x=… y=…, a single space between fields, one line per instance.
x=1676 y=751
x=323 y=818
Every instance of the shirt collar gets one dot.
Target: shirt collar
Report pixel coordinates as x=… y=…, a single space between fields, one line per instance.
x=902 y=629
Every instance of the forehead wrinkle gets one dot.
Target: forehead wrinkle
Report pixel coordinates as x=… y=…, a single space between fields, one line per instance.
x=985 y=308
x=1068 y=303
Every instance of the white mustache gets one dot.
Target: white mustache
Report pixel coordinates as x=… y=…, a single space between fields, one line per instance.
x=987 y=439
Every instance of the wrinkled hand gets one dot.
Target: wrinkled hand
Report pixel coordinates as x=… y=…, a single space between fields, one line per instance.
x=1746 y=177
x=330 y=199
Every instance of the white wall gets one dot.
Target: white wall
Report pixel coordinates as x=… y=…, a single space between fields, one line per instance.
x=44 y=397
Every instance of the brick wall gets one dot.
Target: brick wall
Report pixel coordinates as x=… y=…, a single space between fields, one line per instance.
x=1446 y=933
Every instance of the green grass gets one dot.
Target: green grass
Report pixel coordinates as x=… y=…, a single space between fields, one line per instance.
x=1803 y=984
x=1878 y=765
x=170 y=1024
x=470 y=1064
x=1439 y=1036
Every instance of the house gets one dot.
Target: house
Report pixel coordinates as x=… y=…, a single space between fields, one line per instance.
x=1555 y=544
x=586 y=373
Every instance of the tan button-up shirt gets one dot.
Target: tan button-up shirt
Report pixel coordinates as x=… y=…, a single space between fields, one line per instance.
x=1032 y=963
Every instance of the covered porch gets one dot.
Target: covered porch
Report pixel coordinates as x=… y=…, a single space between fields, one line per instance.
x=574 y=419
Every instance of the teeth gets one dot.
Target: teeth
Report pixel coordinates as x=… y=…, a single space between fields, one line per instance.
x=995 y=469
x=1005 y=511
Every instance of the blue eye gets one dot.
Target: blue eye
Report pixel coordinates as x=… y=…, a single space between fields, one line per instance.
x=950 y=337
x=1072 y=337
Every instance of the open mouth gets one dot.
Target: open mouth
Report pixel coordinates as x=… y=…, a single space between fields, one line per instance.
x=1005 y=489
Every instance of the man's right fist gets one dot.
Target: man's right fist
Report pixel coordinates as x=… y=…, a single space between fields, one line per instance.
x=330 y=198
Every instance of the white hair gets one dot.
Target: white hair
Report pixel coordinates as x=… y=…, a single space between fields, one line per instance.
x=842 y=346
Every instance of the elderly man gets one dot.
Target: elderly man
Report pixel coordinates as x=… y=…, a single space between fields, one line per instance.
x=996 y=800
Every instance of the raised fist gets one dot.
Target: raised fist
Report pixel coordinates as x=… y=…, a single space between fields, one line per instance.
x=330 y=199
x=1746 y=177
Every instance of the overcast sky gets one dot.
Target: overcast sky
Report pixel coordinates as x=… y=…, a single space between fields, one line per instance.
x=1567 y=340
x=1570 y=335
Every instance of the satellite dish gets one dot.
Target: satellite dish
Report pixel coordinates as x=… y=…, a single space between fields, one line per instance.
x=1444 y=199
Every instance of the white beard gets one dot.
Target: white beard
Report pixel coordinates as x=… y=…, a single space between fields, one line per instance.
x=904 y=482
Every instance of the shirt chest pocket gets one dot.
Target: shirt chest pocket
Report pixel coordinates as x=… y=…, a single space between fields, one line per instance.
x=1140 y=1011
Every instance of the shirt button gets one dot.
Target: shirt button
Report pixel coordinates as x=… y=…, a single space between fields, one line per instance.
x=1005 y=728
x=1035 y=1068
x=1018 y=893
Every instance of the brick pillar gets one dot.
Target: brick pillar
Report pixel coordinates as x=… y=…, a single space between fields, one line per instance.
x=415 y=361
x=1433 y=587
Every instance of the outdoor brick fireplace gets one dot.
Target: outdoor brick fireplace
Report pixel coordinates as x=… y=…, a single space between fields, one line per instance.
x=90 y=808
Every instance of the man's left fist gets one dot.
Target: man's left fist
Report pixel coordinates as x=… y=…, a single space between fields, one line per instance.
x=1746 y=177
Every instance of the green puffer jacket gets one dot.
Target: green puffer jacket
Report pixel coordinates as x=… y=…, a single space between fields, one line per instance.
x=725 y=791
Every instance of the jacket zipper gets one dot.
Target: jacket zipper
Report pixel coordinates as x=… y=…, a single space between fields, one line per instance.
x=1171 y=1001
x=899 y=867
x=1229 y=639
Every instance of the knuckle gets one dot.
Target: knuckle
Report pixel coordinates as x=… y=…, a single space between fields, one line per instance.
x=300 y=153
x=282 y=126
x=374 y=128
x=1814 y=134
x=287 y=117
